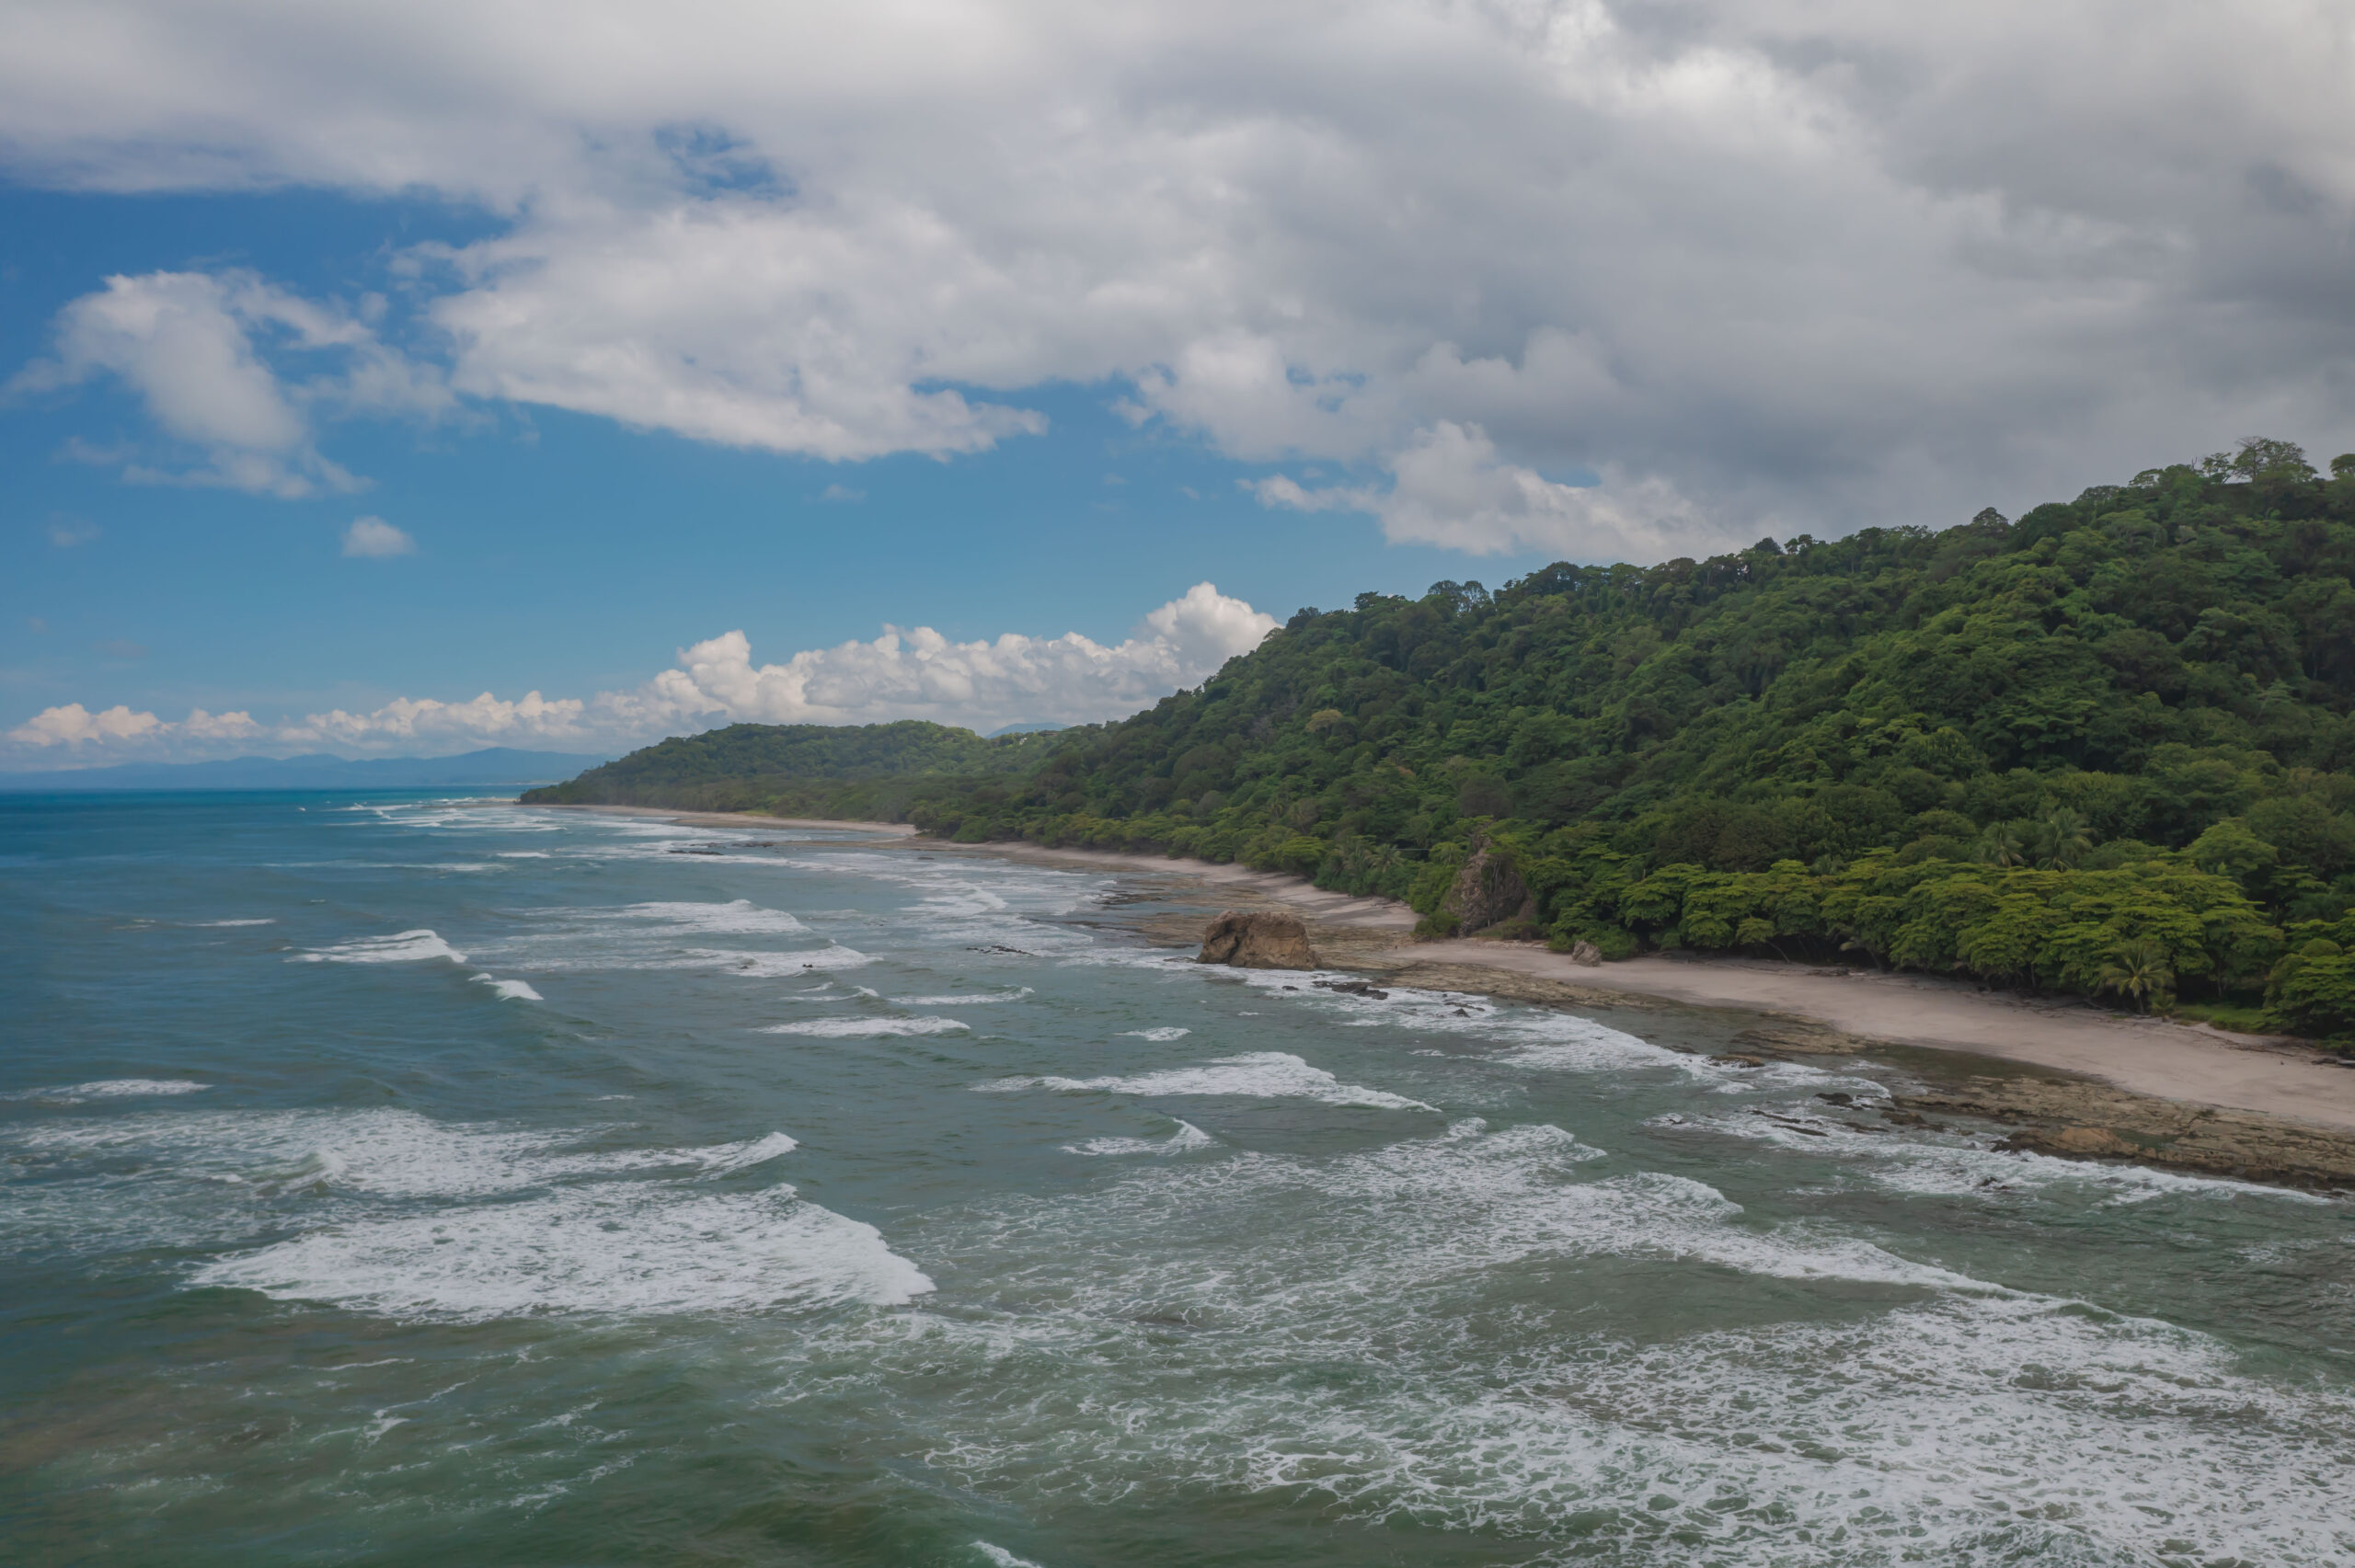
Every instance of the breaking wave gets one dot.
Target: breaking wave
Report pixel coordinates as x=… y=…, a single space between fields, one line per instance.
x=1255 y=1075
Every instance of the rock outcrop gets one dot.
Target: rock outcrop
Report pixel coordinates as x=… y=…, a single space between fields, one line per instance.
x=1587 y=954
x=2074 y=1120
x=1487 y=892
x=1258 y=939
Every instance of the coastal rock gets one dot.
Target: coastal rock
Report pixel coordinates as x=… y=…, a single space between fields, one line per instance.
x=1258 y=939
x=1487 y=892
x=2077 y=1120
x=1588 y=954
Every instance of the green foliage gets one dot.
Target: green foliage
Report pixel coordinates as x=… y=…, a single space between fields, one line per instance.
x=2069 y=930
x=877 y=770
x=2109 y=747
x=2312 y=990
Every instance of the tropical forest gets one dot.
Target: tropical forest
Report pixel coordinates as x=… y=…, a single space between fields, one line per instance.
x=2106 y=748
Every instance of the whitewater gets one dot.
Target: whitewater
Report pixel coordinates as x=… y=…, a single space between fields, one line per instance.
x=394 y=1179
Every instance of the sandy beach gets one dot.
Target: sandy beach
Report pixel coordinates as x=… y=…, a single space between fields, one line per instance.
x=2146 y=1055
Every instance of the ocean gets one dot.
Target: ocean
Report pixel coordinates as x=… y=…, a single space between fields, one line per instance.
x=400 y=1180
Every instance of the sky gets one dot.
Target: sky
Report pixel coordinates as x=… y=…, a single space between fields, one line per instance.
x=396 y=380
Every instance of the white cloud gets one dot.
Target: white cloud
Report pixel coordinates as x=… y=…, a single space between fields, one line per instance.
x=74 y=726
x=64 y=533
x=406 y=723
x=1449 y=488
x=921 y=674
x=197 y=348
x=375 y=536
x=204 y=727
x=915 y=673
x=1822 y=259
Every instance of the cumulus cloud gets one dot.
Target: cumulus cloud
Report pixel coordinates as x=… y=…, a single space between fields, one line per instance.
x=375 y=536
x=198 y=347
x=1817 y=260
x=74 y=726
x=913 y=673
x=919 y=673
x=1449 y=487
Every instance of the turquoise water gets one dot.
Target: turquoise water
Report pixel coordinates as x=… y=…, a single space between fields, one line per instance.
x=399 y=1181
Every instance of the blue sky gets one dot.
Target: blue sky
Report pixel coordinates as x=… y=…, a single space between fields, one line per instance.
x=363 y=360
x=560 y=551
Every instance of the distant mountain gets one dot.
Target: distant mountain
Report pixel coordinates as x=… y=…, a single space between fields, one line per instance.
x=492 y=765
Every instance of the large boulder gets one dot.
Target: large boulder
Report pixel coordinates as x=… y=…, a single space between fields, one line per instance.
x=1258 y=939
x=1487 y=892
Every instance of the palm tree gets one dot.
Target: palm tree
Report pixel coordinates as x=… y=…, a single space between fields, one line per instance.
x=2062 y=840
x=2138 y=969
x=2000 y=845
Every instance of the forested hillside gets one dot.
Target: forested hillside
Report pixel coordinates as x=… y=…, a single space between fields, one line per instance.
x=2106 y=748
x=813 y=769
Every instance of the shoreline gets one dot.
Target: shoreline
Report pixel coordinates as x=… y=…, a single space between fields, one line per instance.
x=2155 y=1057
x=2113 y=1087
x=2100 y=1086
x=727 y=819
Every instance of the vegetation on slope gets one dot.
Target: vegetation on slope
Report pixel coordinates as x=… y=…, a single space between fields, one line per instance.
x=812 y=769
x=2108 y=748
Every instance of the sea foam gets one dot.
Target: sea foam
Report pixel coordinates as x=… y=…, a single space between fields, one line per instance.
x=110 y=1089
x=621 y=1250
x=402 y=947
x=865 y=1028
x=403 y=1214
x=1465 y=1384
x=973 y=999
x=999 y=1556
x=1186 y=1138
x=1255 y=1075
x=511 y=991
x=737 y=916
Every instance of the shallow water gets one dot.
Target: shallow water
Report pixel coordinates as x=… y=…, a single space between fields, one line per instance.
x=396 y=1181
